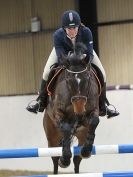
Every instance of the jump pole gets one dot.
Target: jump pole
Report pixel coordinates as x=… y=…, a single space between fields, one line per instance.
x=104 y=174
x=57 y=151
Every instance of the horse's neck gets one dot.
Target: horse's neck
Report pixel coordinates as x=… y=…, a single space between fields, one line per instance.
x=61 y=77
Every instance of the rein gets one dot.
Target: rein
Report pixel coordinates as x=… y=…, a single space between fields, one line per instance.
x=55 y=75
x=100 y=87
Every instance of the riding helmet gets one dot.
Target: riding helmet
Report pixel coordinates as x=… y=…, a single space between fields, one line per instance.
x=70 y=19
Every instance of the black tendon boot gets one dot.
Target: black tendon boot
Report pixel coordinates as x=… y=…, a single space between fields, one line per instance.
x=41 y=100
x=103 y=105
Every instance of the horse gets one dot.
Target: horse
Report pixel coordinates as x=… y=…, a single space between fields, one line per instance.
x=73 y=109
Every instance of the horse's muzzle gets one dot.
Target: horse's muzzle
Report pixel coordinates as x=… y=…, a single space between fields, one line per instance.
x=79 y=103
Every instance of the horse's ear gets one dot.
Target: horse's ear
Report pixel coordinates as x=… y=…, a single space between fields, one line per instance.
x=65 y=60
x=85 y=59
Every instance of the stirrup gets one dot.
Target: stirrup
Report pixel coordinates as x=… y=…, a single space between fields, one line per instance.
x=112 y=113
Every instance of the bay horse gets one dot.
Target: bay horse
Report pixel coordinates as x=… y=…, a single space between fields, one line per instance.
x=73 y=109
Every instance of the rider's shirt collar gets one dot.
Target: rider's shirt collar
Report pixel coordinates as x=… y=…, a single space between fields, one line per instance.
x=72 y=39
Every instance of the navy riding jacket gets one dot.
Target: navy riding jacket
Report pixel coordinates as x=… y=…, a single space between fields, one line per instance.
x=63 y=44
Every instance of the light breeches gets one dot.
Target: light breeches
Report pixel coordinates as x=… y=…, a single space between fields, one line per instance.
x=53 y=59
x=96 y=61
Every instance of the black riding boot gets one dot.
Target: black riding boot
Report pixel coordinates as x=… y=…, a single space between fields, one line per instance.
x=41 y=100
x=104 y=103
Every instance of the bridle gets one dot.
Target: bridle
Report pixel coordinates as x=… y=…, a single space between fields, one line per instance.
x=77 y=72
x=67 y=79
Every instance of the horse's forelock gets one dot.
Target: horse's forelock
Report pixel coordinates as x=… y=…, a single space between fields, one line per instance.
x=75 y=59
x=78 y=55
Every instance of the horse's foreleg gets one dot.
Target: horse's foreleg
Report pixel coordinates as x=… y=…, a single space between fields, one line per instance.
x=53 y=137
x=87 y=147
x=65 y=159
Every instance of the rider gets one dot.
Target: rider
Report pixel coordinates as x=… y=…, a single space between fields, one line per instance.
x=72 y=31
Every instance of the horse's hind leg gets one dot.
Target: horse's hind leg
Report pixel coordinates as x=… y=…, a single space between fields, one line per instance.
x=76 y=161
x=81 y=136
x=55 y=163
x=53 y=138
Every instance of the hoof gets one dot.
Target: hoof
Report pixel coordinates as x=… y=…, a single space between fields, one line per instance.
x=85 y=152
x=85 y=156
x=64 y=163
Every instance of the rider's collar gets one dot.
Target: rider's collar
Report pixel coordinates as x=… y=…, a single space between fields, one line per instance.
x=73 y=38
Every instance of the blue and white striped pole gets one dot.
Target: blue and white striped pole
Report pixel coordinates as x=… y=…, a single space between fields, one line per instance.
x=105 y=174
x=120 y=87
x=57 y=151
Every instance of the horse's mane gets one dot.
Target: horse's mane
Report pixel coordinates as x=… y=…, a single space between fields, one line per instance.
x=80 y=48
x=75 y=57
